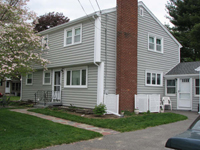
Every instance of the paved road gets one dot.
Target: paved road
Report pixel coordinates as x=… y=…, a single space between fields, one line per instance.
x=153 y=138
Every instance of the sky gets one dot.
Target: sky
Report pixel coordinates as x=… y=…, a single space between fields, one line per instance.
x=73 y=10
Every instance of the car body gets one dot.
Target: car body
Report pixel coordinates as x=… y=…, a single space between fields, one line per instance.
x=188 y=140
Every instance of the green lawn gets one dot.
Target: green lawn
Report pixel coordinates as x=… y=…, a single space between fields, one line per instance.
x=24 y=132
x=122 y=124
x=14 y=98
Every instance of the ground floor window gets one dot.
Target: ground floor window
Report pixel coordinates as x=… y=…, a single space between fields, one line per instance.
x=171 y=86
x=76 y=77
x=29 y=79
x=47 y=77
x=196 y=86
x=154 y=78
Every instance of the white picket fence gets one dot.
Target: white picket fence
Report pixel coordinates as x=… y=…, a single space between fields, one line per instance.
x=146 y=102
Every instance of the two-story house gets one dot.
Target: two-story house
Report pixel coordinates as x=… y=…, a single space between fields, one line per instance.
x=124 y=50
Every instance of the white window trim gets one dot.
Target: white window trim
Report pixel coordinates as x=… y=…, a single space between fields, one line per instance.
x=49 y=71
x=166 y=88
x=156 y=37
x=156 y=72
x=72 y=69
x=195 y=88
x=73 y=35
x=141 y=11
x=27 y=78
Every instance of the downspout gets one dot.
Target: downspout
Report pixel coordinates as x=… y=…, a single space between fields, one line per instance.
x=106 y=61
x=21 y=90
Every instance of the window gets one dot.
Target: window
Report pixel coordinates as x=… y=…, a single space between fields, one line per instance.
x=76 y=77
x=171 y=87
x=45 y=42
x=155 y=44
x=153 y=78
x=141 y=12
x=197 y=87
x=29 y=79
x=1 y=82
x=72 y=35
x=47 y=78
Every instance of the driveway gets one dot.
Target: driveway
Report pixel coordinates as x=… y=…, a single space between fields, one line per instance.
x=152 y=138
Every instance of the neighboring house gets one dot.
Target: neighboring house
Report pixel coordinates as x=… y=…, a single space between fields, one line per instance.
x=182 y=85
x=123 y=50
x=10 y=87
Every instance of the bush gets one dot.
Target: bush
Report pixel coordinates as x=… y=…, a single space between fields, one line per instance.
x=100 y=109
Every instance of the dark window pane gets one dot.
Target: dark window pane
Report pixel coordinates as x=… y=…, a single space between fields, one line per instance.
x=158 y=79
x=171 y=90
x=1 y=82
x=197 y=82
x=47 y=75
x=170 y=82
x=56 y=88
x=68 y=77
x=153 y=78
x=148 y=78
x=7 y=84
x=29 y=81
x=83 y=77
x=47 y=80
x=197 y=90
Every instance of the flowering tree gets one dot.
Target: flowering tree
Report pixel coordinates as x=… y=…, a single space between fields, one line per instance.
x=20 y=47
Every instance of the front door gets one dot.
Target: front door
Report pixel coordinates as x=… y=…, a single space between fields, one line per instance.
x=56 y=93
x=7 y=90
x=185 y=94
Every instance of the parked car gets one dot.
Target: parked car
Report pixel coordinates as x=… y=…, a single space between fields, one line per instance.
x=1 y=94
x=188 y=140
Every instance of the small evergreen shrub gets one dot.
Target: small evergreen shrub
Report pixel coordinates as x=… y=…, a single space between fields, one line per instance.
x=100 y=109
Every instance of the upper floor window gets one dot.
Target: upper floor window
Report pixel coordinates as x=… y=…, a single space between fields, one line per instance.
x=154 y=78
x=29 y=79
x=141 y=11
x=72 y=35
x=197 y=87
x=76 y=77
x=171 y=87
x=155 y=43
x=45 y=42
x=47 y=77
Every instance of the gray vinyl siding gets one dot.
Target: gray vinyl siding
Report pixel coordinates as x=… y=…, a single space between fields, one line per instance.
x=28 y=91
x=79 y=97
x=148 y=60
x=82 y=97
x=82 y=53
x=110 y=49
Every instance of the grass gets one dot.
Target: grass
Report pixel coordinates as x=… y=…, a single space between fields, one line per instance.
x=122 y=124
x=14 y=98
x=24 y=132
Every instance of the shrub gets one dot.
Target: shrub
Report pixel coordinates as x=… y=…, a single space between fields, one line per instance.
x=100 y=109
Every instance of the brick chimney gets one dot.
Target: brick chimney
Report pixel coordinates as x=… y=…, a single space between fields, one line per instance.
x=127 y=25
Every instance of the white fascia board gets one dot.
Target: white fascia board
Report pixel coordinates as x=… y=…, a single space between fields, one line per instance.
x=97 y=40
x=166 y=30
x=70 y=23
x=100 y=83
x=181 y=75
x=197 y=69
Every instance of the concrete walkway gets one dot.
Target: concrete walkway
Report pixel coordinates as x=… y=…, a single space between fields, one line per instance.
x=103 y=131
